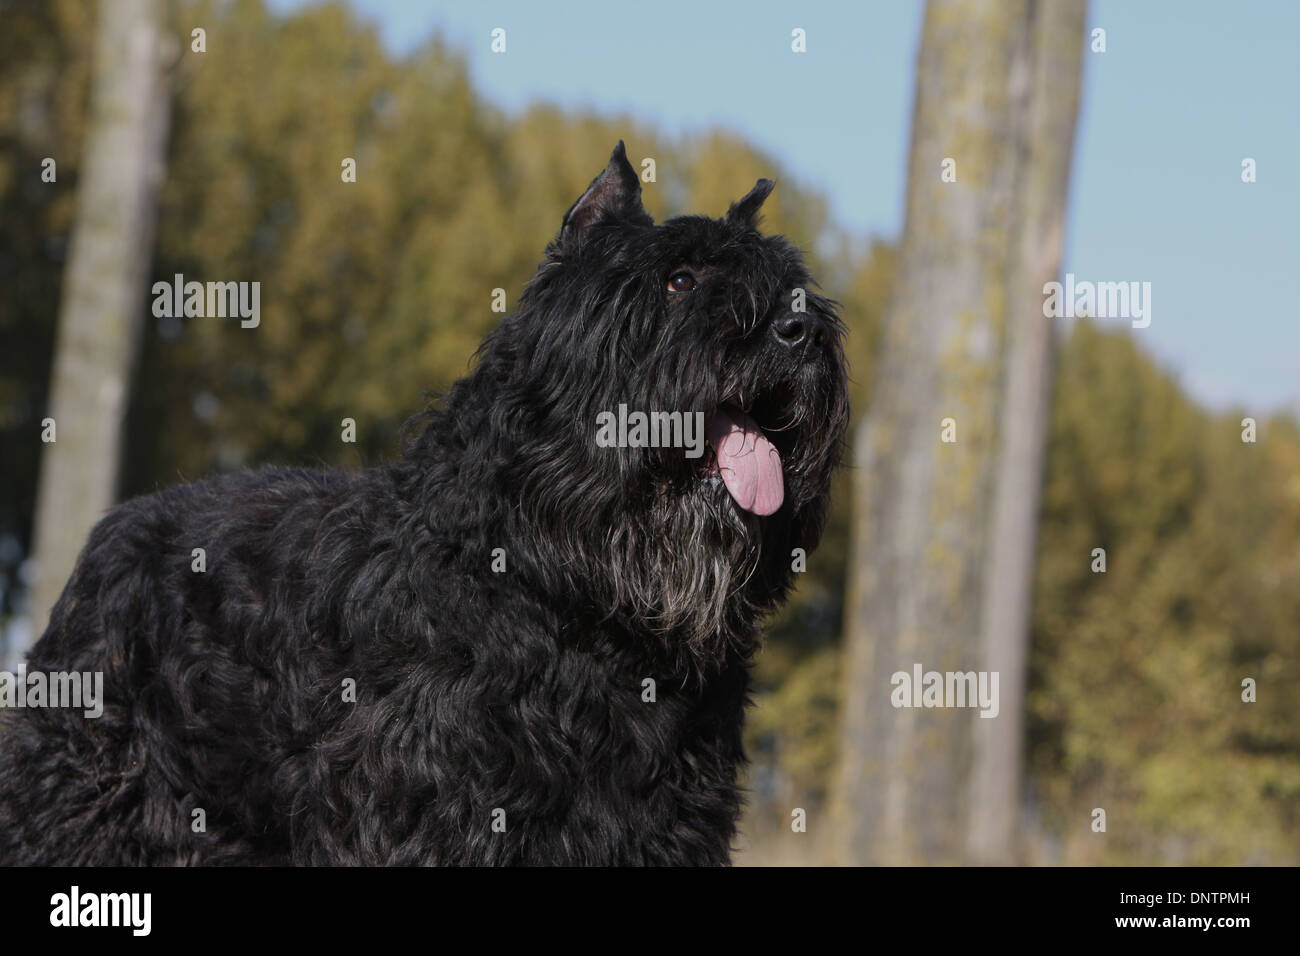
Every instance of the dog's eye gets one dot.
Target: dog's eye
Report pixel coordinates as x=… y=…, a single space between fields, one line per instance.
x=681 y=281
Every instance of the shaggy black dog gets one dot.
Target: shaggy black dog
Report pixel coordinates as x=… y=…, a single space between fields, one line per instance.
x=515 y=644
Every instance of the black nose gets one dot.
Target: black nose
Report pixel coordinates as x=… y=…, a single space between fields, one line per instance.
x=790 y=330
x=797 y=328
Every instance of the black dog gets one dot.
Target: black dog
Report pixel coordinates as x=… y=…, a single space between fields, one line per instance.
x=513 y=645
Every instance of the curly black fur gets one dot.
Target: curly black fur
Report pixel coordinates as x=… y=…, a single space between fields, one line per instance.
x=478 y=690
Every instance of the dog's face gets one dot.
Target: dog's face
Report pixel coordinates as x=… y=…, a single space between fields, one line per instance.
x=680 y=394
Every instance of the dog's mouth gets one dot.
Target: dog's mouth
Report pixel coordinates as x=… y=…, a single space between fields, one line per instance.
x=746 y=460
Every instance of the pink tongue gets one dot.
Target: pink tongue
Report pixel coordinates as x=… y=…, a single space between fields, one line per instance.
x=749 y=464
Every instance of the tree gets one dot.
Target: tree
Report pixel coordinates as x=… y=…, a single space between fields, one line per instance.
x=102 y=303
x=950 y=454
x=1136 y=697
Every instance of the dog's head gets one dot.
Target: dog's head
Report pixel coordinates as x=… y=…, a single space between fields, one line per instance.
x=676 y=401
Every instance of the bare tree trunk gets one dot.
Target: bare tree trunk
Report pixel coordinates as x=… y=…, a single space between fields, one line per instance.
x=1051 y=108
x=102 y=307
x=944 y=533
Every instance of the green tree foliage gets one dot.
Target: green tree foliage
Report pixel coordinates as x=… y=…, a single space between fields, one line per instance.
x=372 y=291
x=1135 y=702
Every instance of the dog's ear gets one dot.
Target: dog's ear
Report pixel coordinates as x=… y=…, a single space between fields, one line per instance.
x=744 y=210
x=615 y=192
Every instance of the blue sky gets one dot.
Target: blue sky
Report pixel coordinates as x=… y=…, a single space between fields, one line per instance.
x=1185 y=91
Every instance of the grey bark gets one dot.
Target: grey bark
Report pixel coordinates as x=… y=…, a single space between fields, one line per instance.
x=102 y=302
x=944 y=534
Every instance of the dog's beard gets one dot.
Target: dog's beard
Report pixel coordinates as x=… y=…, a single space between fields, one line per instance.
x=682 y=566
x=704 y=554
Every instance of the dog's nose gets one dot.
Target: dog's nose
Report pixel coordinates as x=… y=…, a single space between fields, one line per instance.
x=790 y=330
x=797 y=328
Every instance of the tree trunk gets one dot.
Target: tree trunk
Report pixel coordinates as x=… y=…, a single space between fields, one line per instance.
x=102 y=304
x=944 y=532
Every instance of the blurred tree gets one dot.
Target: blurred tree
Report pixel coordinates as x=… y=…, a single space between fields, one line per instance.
x=103 y=293
x=46 y=52
x=1135 y=700
x=943 y=546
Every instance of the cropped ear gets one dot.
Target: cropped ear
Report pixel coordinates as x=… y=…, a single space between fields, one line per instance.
x=615 y=192
x=744 y=211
